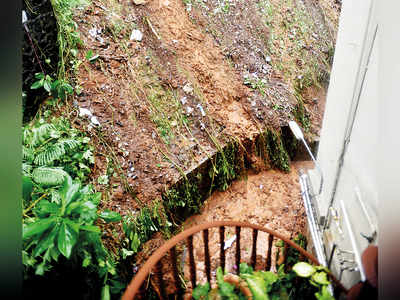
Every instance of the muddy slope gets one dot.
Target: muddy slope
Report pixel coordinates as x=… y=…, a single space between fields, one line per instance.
x=198 y=78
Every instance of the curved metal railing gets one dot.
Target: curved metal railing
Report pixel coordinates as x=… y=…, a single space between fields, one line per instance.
x=170 y=247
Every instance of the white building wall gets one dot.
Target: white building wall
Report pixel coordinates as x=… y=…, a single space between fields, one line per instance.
x=350 y=119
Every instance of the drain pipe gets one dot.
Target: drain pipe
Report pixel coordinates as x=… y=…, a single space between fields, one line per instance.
x=312 y=224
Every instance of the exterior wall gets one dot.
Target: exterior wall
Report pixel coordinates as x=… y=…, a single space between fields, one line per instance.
x=347 y=152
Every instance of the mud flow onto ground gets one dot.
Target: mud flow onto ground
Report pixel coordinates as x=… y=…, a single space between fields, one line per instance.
x=271 y=199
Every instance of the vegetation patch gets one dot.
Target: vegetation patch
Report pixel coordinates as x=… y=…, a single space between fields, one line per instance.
x=250 y=284
x=270 y=147
x=60 y=211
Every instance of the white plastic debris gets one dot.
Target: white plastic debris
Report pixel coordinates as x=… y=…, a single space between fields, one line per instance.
x=267 y=59
x=189 y=110
x=136 y=35
x=24 y=17
x=229 y=242
x=261 y=186
x=84 y=112
x=201 y=109
x=188 y=88
x=202 y=126
x=93 y=32
x=183 y=100
x=140 y=2
x=94 y=121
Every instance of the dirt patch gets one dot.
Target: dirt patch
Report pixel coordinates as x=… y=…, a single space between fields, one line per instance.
x=270 y=198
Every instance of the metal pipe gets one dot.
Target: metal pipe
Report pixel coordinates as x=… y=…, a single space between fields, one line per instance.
x=352 y=240
x=315 y=234
x=317 y=166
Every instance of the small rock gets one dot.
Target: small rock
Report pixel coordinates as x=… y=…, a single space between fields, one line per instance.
x=136 y=35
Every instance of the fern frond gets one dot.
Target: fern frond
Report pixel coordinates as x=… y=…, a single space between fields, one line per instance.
x=26 y=135
x=50 y=154
x=26 y=169
x=42 y=133
x=49 y=176
x=27 y=154
x=70 y=143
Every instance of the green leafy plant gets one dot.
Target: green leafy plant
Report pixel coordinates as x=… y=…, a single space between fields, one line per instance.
x=53 y=149
x=303 y=282
x=65 y=226
x=91 y=57
x=139 y=228
x=59 y=89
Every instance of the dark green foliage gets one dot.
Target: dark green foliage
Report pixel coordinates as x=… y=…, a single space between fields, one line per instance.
x=42 y=28
x=184 y=199
x=226 y=167
x=269 y=146
x=290 y=143
x=301 y=115
x=58 y=89
x=139 y=228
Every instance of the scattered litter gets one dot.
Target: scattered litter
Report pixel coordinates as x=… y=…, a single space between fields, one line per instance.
x=175 y=41
x=136 y=35
x=229 y=242
x=261 y=186
x=183 y=100
x=268 y=59
x=201 y=109
x=24 y=17
x=253 y=103
x=202 y=126
x=189 y=110
x=95 y=33
x=94 y=121
x=188 y=88
x=84 y=112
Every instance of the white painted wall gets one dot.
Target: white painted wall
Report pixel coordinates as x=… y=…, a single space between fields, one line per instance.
x=352 y=94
